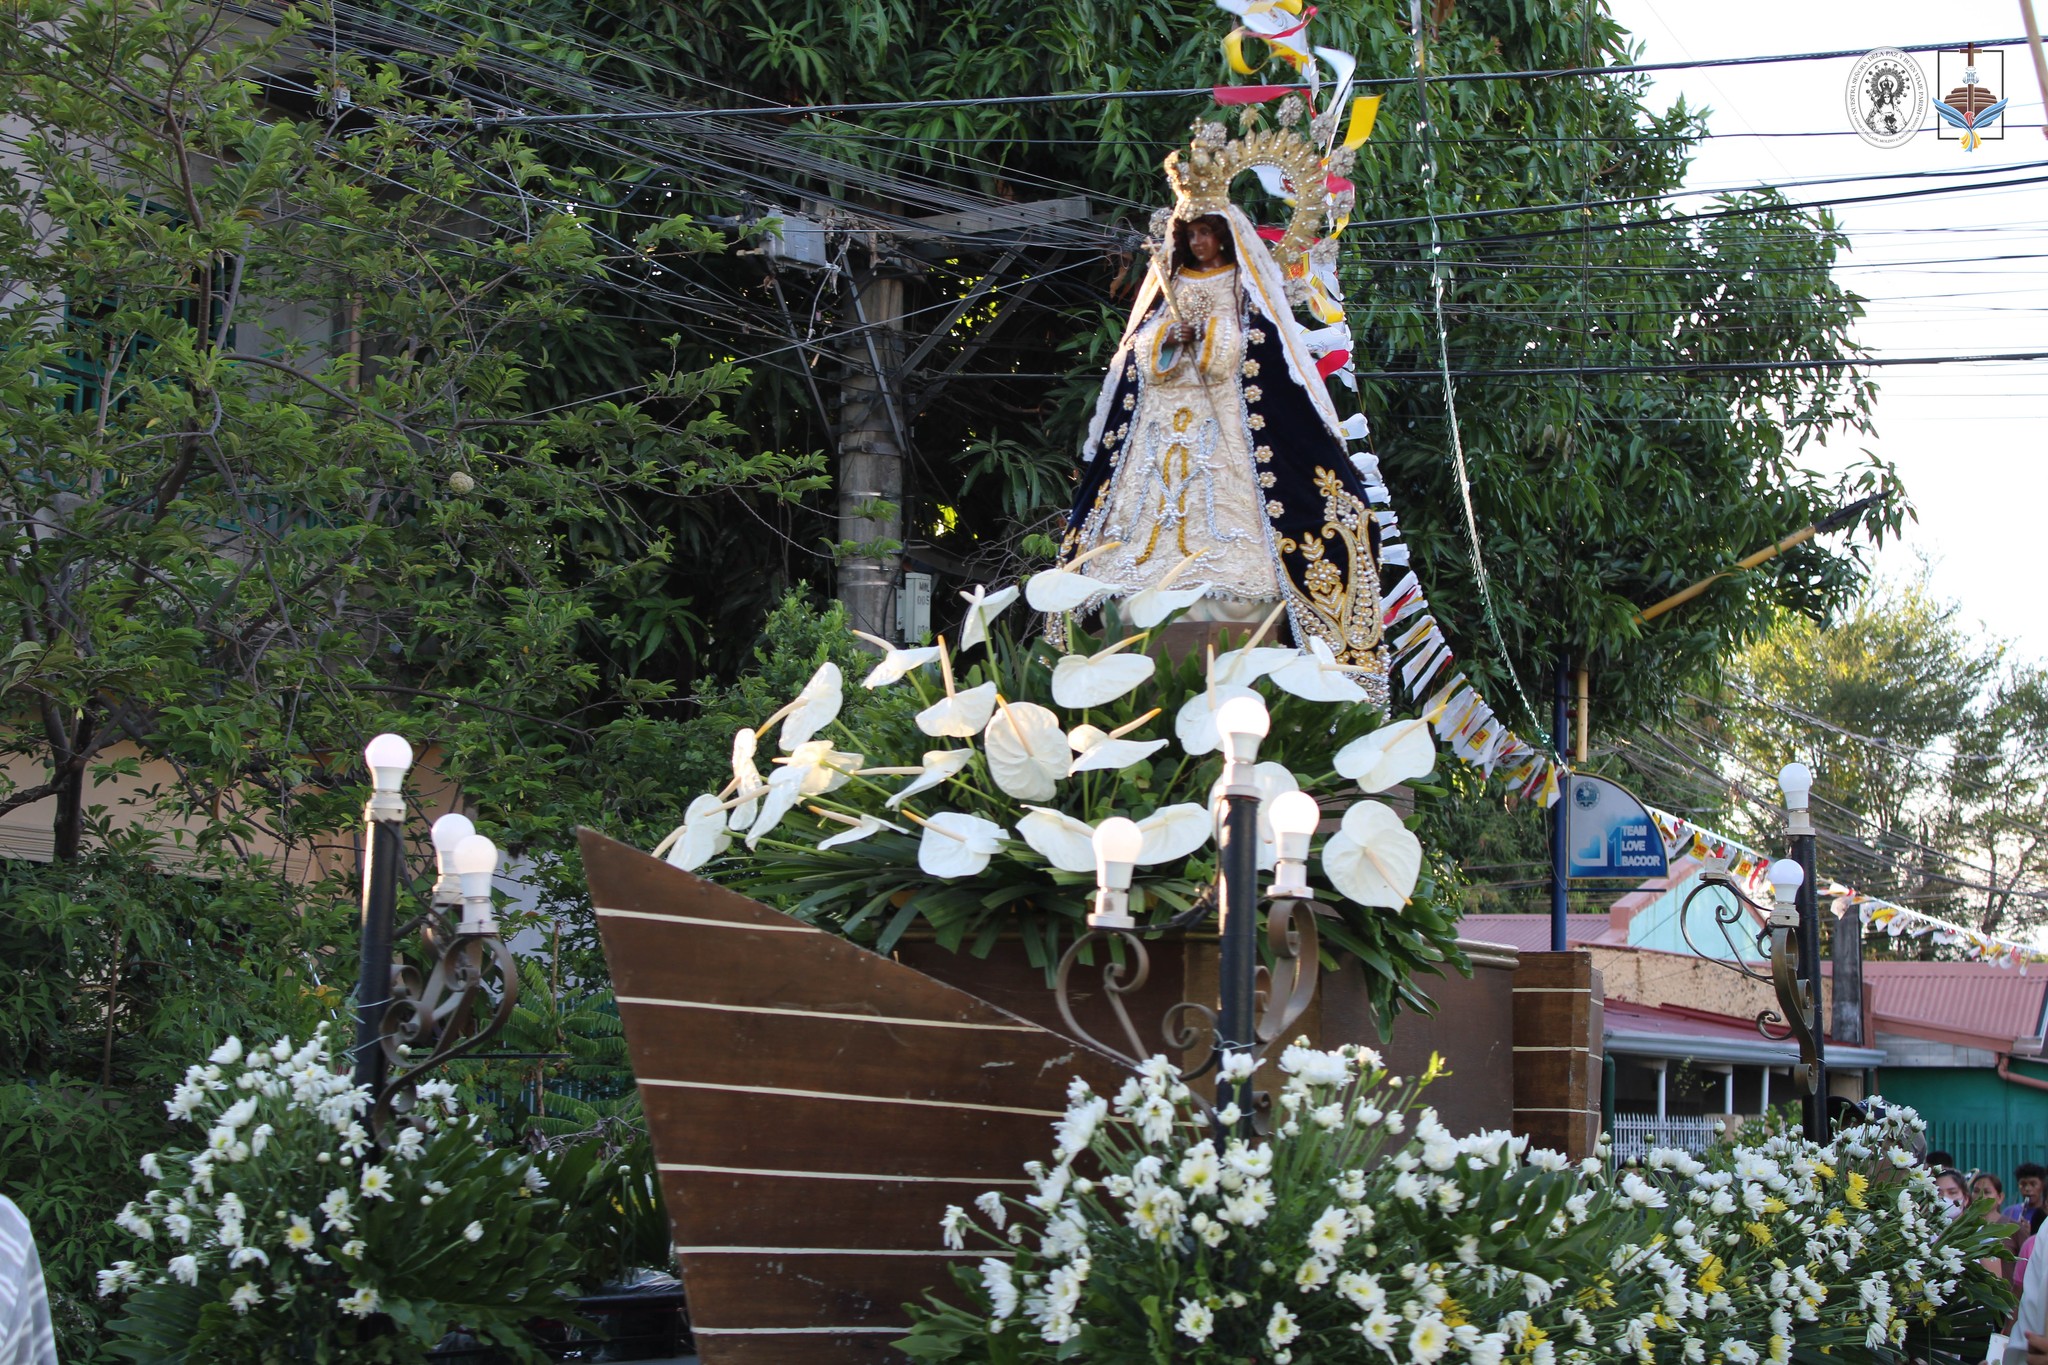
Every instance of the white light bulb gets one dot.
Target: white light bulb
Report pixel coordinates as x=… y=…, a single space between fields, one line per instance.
x=1118 y=842
x=450 y=830
x=1785 y=877
x=1294 y=813
x=475 y=862
x=388 y=757
x=1242 y=722
x=1294 y=816
x=1795 y=780
x=475 y=854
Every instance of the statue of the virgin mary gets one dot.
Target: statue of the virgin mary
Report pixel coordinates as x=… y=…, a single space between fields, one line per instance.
x=1215 y=455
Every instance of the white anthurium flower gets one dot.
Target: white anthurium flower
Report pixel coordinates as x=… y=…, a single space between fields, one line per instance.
x=1272 y=779
x=959 y=715
x=704 y=835
x=1099 y=751
x=814 y=708
x=1173 y=832
x=939 y=765
x=1195 y=725
x=1063 y=589
x=896 y=663
x=1114 y=755
x=983 y=607
x=1080 y=681
x=858 y=827
x=1148 y=608
x=746 y=778
x=1055 y=590
x=1315 y=675
x=1373 y=858
x=957 y=845
x=814 y=769
x=1026 y=749
x=1389 y=755
x=1065 y=842
x=1243 y=667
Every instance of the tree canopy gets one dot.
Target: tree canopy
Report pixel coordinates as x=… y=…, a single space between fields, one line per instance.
x=1565 y=246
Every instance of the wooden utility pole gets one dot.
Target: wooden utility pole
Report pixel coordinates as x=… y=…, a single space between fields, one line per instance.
x=872 y=448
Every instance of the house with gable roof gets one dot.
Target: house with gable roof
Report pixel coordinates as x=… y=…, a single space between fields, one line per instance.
x=1959 y=1041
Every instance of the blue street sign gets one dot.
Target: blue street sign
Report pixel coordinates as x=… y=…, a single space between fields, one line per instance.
x=1608 y=833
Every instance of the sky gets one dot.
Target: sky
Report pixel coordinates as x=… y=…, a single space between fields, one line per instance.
x=1967 y=439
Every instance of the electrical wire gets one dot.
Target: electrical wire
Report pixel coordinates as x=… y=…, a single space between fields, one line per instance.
x=1182 y=92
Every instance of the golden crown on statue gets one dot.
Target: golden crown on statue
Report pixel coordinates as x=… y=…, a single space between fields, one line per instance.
x=1202 y=174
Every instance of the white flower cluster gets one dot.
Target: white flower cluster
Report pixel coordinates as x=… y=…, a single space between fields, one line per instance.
x=1366 y=1221
x=279 y=1123
x=1027 y=750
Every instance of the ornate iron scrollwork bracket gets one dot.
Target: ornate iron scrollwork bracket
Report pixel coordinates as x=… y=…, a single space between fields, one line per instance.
x=444 y=1014
x=1284 y=991
x=1778 y=941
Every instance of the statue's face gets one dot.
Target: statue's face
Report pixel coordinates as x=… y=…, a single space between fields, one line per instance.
x=1203 y=244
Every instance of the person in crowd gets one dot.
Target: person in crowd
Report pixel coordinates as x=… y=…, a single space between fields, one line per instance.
x=2031 y=1180
x=1938 y=1159
x=26 y=1337
x=1987 y=1192
x=2026 y=1340
x=1948 y=1182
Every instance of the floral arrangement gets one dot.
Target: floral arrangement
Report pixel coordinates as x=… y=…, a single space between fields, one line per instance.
x=283 y=1234
x=1365 y=1231
x=966 y=792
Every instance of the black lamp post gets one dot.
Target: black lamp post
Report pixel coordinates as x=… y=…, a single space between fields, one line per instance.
x=1243 y=1023
x=1796 y=781
x=389 y=757
x=397 y=1013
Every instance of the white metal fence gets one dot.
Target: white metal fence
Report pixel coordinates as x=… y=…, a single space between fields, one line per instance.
x=1635 y=1134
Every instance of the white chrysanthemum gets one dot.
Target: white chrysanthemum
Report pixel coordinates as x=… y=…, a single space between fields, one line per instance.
x=953 y=1228
x=1313 y=1274
x=244 y=1298
x=1196 y=1321
x=1315 y=1067
x=184 y=1269
x=1327 y=1235
x=1282 y=1327
x=1002 y=1290
x=1430 y=1340
x=298 y=1234
x=1379 y=1328
x=1200 y=1172
x=1252 y=1161
x=361 y=1304
x=1362 y=1289
x=1076 y=1129
x=376 y=1183
x=335 y=1209
x=228 y=1053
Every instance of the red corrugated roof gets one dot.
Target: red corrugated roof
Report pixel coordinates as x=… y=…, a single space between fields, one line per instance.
x=1530 y=933
x=1628 y=1017
x=1681 y=1021
x=1979 y=999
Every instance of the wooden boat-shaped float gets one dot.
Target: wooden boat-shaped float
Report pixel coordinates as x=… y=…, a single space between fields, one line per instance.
x=814 y=1108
